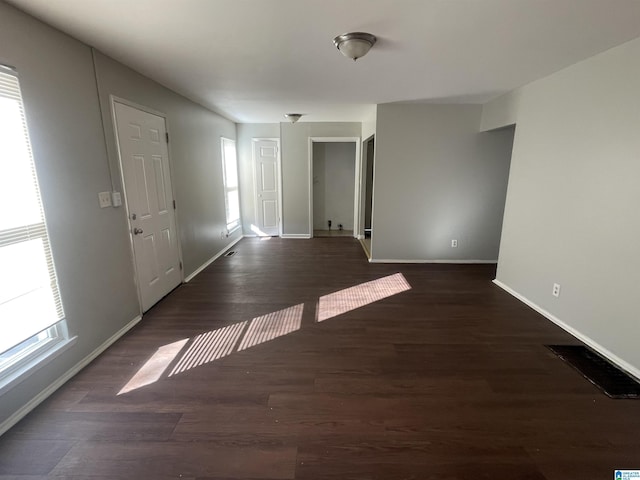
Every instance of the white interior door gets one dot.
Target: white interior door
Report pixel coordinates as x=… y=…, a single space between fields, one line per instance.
x=267 y=194
x=144 y=159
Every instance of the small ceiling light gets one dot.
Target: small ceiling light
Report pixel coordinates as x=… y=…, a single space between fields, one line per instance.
x=293 y=117
x=355 y=44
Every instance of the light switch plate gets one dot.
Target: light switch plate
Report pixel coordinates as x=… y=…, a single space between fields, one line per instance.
x=105 y=199
x=116 y=198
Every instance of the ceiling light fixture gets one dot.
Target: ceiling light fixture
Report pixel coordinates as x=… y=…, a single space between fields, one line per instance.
x=293 y=117
x=355 y=44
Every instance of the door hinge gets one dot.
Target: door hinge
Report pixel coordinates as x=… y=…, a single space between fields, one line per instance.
x=166 y=135
x=180 y=265
x=174 y=204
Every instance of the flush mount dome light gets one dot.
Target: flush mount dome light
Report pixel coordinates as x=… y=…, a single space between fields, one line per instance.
x=355 y=44
x=293 y=117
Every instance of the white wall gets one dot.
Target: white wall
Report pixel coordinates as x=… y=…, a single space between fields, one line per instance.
x=369 y=124
x=247 y=132
x=91 y=245
x=501 y=111
x=295 y=168
x=572 y=205
x=437 y=179
x=334 y=170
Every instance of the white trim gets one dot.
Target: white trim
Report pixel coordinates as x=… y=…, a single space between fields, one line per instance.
x=234 y=229
x=296 y=235
x=363 y=186
x=44 y=394
x=612 y=357
x=254 y=140
x=358 y=168
x=455 y=262
x=211 y=260
x=36 y=363
x=362 y=180
x=137 y=106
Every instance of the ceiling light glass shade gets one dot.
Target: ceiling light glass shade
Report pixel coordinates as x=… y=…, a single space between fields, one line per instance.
x=293 y=117
x=354 y=45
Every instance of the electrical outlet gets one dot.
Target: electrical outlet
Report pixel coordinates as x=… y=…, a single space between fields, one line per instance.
x=105 y=199
x=556 y=290
x=454 y=243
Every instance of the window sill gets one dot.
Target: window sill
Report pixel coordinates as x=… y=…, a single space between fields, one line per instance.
x=233 y=230
x=24 y=372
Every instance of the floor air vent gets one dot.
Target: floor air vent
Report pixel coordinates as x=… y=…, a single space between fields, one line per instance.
x=607 y=377
x=230 y=254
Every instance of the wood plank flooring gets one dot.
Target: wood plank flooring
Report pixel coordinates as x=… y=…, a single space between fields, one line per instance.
x=449 y=380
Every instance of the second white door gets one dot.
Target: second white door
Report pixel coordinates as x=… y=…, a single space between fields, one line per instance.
x=147 y=181
x=267 y=195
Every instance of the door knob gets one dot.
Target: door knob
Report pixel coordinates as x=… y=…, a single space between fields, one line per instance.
x=137 y=231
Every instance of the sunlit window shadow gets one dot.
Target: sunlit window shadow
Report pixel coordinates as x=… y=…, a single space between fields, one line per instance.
x=151 y=371
x=272 y=325
x=209 y=346
x=216 y=344
x=260 y=233
x=351 y=298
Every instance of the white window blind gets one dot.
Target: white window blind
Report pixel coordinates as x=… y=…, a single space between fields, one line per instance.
x=29 y=296
x=231 y=192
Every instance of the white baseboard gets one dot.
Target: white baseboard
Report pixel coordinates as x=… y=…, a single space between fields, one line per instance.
x=457 y=262
x=44 y=394
x=211 y=260
x=612 y=357
x=295 y=235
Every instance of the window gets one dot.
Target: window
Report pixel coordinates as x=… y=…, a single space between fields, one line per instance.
x=230 y=175
x=31 y=314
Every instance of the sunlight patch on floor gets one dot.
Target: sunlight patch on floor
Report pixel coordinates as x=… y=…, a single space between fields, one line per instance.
x=343 y=301
x=259 y=232
x=272 y=325
x=209 y=346
x=153 y=369
x=216 y=344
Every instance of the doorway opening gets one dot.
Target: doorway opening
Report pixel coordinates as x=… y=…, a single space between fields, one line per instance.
x=365 y=236
x=334 y=187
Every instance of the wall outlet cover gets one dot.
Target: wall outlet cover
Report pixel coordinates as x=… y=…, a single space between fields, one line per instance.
x=105 y=199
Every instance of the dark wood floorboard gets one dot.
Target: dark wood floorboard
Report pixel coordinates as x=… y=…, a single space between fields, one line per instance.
x=449 y=380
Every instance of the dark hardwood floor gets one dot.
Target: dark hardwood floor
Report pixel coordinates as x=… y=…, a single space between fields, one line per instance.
x=447 y=380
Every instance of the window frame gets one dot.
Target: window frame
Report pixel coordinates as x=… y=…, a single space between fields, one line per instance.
x=25 y=357
x=233 y=224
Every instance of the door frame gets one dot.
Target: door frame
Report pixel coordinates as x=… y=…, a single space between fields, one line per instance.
x=363 y=184
x=357 y=203
x=255 y=140
x=112 y=101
